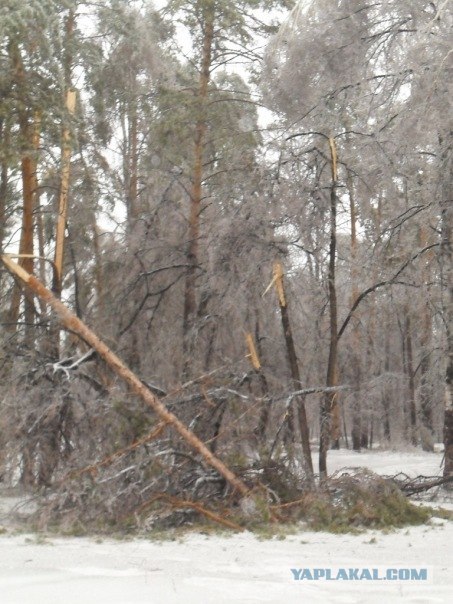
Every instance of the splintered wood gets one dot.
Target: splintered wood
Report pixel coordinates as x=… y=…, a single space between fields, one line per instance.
x=253 y=354
x=334 y=156
x=64 y=190
x=278 y=280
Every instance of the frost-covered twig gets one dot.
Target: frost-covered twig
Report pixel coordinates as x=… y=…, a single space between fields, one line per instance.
x=412 y=486
x=71 y=363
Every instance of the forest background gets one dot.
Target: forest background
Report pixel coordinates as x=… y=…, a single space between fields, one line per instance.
x=251 y=203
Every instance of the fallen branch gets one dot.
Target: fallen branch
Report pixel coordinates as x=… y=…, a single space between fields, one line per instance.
x=182 y=503
x=93 y=468
x=412 y=486
x=314 y=390
x=289 y=400
x=67 y=365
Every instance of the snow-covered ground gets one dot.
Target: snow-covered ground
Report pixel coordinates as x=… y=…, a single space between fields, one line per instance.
x=238 y=568
x=413 y=463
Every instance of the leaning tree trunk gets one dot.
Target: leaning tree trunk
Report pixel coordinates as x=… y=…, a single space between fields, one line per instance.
x=74 y=324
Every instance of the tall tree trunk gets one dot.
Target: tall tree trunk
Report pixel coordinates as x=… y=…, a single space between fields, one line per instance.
x=386 y=394
x=26 y=246
x=329 y=427
x=27 y=132
x=98 y=272
x=356 y=431
x=426 y=394
x=49 y=437
x=49 y=432
x=4 y=175
x=39 y=229
x=355 y=356
x=133 y=163
x=297 y=413
x=190 y=298
x=409 y=370
x=131 y=156
x=130 y=174
x=66 y=145
x=447 y=282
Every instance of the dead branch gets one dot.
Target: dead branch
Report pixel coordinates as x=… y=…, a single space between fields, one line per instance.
x=93 y=468
x=181 y=503
x=67 y=365
x=315 y=390
x=289 y=399
x=412 y=486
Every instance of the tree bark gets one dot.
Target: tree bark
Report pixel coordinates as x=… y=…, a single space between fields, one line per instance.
x=412 y=427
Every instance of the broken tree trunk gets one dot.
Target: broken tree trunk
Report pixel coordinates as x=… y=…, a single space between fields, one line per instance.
x=254 y=356
x=70 y=99
x=71 y=322
x=330 y=417
x=64 y=191
x=298 y=414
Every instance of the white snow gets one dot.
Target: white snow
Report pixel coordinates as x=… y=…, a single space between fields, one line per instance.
x=413 y=463
x=239 y=568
